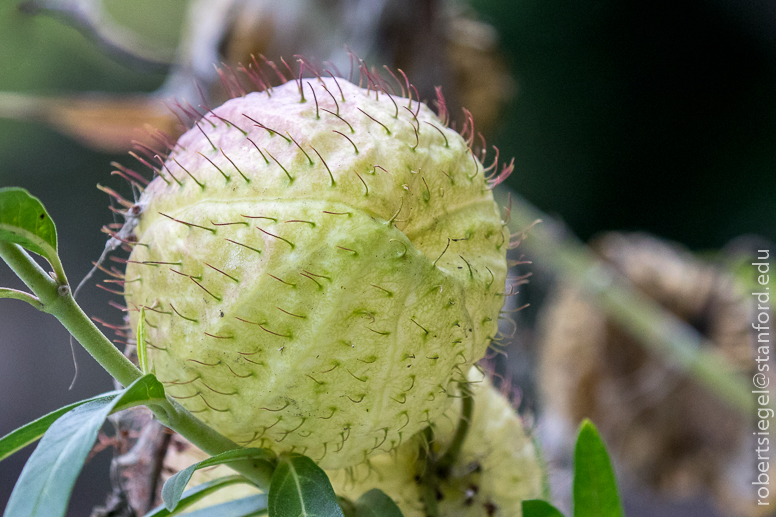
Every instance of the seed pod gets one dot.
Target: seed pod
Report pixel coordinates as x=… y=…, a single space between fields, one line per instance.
x=498 y=468
x=318 y=270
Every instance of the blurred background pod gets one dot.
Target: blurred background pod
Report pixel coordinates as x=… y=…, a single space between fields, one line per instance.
x=666 y=432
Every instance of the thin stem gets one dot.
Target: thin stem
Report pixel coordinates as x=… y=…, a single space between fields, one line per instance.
x=59 y=271
x=58 y=300
x=67 y=311
x=447 y=461
x=428 y=480
x=176 y=417
x=27 y=269
x=6 y=292
x=435 y=469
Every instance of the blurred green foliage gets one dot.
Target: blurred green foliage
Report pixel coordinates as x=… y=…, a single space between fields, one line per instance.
x=655 y=116
x=41 y=55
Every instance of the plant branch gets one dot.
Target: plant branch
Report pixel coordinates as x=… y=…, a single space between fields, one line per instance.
x=428 y=479
x=447 y=461
x=27 y=269
x=58 y=301
x=6 y=292
x=86 y=332
x=176 y=417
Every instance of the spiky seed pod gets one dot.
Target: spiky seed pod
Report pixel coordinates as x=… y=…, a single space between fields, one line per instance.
x=498 y=468
x=318 y=271
x=499 y=465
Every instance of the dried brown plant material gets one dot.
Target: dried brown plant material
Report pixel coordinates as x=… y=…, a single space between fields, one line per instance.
x=664 y=429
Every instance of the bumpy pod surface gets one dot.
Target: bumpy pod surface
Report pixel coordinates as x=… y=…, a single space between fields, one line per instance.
x=498 y=468
x=316 y=275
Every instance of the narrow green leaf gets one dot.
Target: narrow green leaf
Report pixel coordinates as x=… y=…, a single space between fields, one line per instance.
x=539 y=508
x=142 y=351
x=245 y=507
x=199 y=492
x=24 y=221
x=299 y=488
x=595 y=487
x=376 y=503
x=20 y=438
x=44 y=486
x=173 y=488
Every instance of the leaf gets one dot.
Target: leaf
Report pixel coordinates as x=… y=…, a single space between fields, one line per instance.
x=44 y=486
x=173 y=488
x=539 y=508
x=24 y=220
x=595 y=487
x=199 y=492
x=299 y=488
x=375 y=503
x=20 y=438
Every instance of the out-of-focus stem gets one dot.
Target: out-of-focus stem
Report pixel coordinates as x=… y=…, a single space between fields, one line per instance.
x=659 y=330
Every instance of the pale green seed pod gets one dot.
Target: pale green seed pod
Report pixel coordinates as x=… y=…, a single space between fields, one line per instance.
x=317 y=273
x=498 y=468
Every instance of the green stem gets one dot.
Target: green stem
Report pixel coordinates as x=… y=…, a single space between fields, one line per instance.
x=57 y=300
x=447 y=461
x=20 y=295
x=428 y=480
x=67 y=311
x=27 y=269
x=176 y=417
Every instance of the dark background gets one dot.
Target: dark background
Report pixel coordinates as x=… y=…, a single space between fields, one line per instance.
x=630 y=115
x=656 y=116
